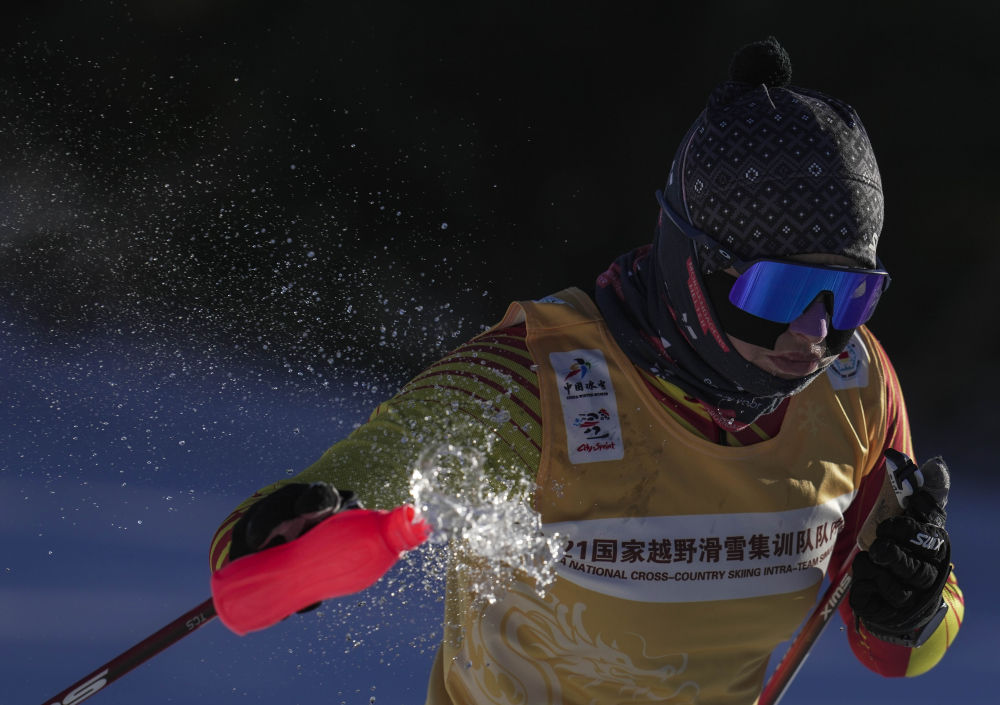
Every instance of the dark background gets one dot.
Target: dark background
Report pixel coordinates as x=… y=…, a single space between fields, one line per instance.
x=178 y=161
x=228 y=228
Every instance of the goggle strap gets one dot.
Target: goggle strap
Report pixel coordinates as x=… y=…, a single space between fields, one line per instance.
x=693 y=233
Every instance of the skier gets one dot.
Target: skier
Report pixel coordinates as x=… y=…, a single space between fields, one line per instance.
x=707 y=434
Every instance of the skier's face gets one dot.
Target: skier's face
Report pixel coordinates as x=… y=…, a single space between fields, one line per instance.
x=804 y=347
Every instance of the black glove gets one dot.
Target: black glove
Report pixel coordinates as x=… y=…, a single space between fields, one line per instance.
x=287 y=514
x=898 y=582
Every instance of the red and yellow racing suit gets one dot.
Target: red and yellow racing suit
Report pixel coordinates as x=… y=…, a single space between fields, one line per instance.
x=688 y=554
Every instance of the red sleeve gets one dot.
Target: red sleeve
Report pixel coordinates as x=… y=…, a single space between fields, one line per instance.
x=883 y=658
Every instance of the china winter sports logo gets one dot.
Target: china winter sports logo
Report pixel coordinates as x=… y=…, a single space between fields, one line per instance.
x=579 y=367
x=590 y=410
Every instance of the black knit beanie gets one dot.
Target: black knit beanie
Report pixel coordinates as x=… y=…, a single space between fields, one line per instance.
x=773 y=170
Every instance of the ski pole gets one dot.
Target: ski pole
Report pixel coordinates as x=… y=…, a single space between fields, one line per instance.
x=902 y=479
x=792 y=661
x=136 y=656
x=341 y=555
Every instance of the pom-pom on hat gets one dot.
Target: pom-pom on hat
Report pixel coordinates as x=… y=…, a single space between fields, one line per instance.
x=773 y=170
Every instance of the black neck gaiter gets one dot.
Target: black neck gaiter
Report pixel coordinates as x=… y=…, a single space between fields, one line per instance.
x=656 y=307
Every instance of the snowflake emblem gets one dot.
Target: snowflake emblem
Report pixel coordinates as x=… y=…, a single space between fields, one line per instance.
x=812 y=419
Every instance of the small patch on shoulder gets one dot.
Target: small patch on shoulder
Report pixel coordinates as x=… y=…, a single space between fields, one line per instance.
x=551 y=300
x=850 y=369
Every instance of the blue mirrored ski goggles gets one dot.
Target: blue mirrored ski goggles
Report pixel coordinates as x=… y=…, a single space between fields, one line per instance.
x=780 y=290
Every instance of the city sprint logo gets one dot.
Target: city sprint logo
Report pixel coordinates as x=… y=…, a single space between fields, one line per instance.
x=590 y=422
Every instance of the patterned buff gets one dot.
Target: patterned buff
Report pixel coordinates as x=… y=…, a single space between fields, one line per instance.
x=767 y=170
x=679 y=339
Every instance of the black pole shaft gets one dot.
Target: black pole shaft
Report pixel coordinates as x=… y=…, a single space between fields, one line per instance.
x=789 y=666
x=136 y=656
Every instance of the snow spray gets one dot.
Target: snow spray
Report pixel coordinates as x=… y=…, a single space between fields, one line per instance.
x=491 y=522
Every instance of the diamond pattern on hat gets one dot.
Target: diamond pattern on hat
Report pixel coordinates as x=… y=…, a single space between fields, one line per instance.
x=776 y=171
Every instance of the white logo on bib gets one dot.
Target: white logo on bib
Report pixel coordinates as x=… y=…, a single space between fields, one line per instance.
x=590 y=410
x=850 y=369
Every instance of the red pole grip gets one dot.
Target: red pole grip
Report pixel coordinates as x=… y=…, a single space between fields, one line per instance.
x=342 y=555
